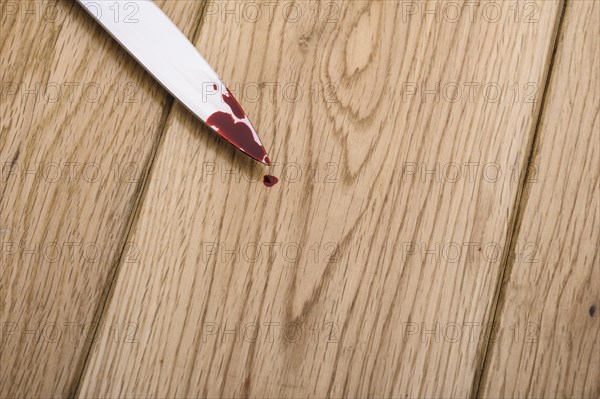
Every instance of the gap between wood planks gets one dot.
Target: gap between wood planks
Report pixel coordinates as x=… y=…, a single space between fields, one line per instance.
x=141 y=191
x=518 y=209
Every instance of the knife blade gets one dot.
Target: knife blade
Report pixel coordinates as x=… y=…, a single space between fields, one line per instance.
x=166 y=53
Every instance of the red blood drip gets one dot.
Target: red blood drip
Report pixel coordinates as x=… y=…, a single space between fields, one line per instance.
x=234 y=105
x=270 y=181
x=215 y=87
x=237 y=133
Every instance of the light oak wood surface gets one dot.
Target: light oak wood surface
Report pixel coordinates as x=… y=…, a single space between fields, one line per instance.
x=377 y=267
x=554 y=291
x=80 y=124
x=187 y=285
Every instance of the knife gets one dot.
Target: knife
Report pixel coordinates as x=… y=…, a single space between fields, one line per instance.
x=166 y=53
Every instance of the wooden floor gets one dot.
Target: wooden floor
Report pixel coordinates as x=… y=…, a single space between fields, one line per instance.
x=435 y=231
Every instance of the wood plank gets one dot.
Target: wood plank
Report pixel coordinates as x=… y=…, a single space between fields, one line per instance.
x=547 y=329
x=80 y=124
x=345 y=317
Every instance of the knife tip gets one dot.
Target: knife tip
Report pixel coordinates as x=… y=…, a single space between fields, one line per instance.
x=235 y=127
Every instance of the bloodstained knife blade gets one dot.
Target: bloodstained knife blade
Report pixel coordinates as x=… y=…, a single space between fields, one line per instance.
x=166 y=53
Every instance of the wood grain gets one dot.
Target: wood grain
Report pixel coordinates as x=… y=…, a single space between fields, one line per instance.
x=217 y=261
x=80 y=124
x=552 y=290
